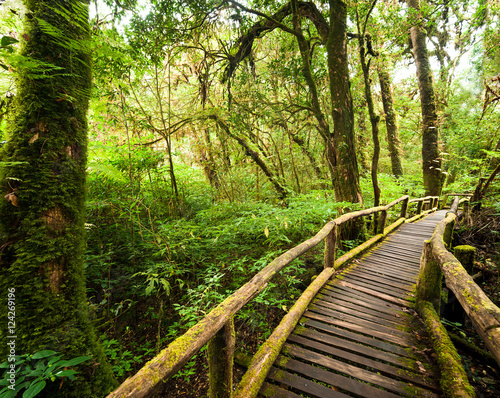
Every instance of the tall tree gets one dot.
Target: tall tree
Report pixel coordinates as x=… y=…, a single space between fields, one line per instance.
x=431 y=161
x=339 y=140
x=365 y=49
x=393 y=141
x=43 y=183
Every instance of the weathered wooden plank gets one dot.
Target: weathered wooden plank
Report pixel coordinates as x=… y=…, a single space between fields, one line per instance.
x=370 y=266
x=273 y=391
x=353 y=371
x=388 y=357
x=359 y=329
x=359 y=338
x=402 y=253
x=399 y=264
x=374 y=308
x=391 y=269
x=406 y=261
x=336 y=380
x=372 y=324
x=370 y=284
x=367 y=274
x=348 y=306
x=358 y=360
x=345 y=313
x=415 y=249
x=377 y=270
x=348 y=292
x=304 y=385
x=385 y=297
x=334 y=297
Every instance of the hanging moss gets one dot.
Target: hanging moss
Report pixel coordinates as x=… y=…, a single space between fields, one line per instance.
x=42 y=213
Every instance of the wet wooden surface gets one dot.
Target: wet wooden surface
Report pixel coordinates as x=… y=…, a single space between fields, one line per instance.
x=361 y=337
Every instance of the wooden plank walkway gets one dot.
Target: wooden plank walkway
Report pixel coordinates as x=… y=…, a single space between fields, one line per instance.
x=360 y=336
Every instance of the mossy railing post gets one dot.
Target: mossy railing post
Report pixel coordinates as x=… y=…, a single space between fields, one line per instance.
x=435 y=202
x=381 y=221
x=220 y=362
x=448 y=234
x=419 y=206
x=443 y=203
x=429 y=279
x=465 y=254
x=331 y=247
x=404 y=207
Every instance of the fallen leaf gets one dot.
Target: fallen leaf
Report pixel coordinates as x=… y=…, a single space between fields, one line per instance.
x=34 y=138
x=12 y=198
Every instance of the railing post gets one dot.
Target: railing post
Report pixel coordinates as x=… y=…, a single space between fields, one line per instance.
x=381 y=221
x=448 y=234
x=465 y=254
x=445 y=200
x=220 y=362
x=404 y=207
x=435 y=202
x=331 y=246
x=429 y=279
x=419 y=206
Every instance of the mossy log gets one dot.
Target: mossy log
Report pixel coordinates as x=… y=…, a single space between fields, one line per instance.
x=484 y=315
x=454 y=382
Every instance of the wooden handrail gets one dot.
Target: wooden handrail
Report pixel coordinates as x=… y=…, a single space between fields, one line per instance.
x=170 y=360
x=484 y=315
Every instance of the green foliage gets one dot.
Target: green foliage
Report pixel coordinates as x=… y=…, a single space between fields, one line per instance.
x=33 y=371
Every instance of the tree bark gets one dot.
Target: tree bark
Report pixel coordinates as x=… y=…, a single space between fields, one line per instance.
x=340 y=146
x=393 y=140
x=362 y=139
x=43 y=211
x=431 y=161
x=374 y=119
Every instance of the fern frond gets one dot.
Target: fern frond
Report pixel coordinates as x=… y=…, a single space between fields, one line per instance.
x=107 y=170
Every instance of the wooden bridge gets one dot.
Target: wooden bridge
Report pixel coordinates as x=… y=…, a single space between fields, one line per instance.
x=361 y=334
x=355 y=330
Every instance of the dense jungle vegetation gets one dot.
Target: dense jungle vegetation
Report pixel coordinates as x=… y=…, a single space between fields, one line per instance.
x=220 y=134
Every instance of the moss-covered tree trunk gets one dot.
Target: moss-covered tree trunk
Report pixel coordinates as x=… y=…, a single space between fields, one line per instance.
x=393 y=141
x=340 y=147
x=431 y=162
x=42 y=208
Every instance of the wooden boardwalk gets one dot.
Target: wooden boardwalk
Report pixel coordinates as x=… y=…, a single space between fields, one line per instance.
x=360 y=336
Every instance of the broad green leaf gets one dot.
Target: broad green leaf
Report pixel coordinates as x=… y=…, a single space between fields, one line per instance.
x=70 y=373
x=34 y=389
x=43 y=354
x=72 y=362
x=7 y=41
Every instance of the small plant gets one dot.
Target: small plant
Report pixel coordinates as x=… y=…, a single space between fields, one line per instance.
x=33 y=370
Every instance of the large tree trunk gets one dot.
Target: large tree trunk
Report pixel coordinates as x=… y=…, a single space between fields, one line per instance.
x=393 y=140
x=340 y=146
x=43 y=210
x=433 y=176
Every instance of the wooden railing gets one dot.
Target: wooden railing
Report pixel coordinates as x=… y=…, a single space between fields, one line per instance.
x=217 y=327
x=484 y=315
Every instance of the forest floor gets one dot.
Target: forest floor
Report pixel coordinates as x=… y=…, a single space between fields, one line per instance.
x=482 y=232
